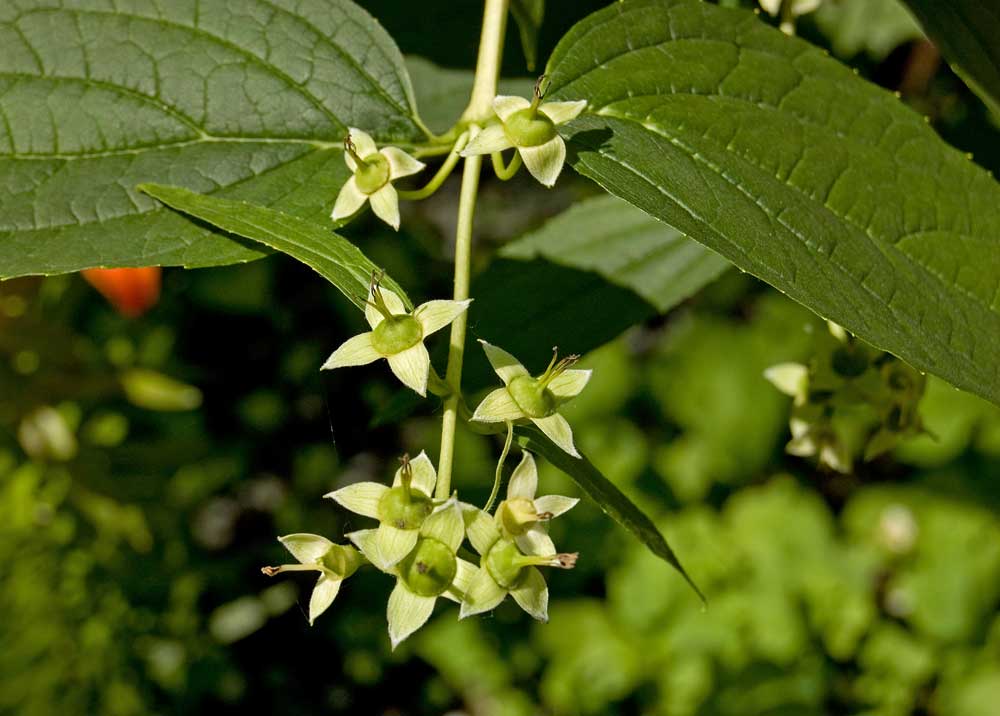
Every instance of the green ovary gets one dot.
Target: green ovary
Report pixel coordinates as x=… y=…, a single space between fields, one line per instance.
x=529 y=128
x=396 y=334
x=429 y=569
x=501 y=563
x=532 y=397
x=404 y=511
x=372 y=174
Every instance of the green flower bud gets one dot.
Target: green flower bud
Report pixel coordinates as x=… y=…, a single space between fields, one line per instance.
x=502 y=562
x=372 y=174
x=529 y=128
x=430 y=568
x=396 y=333
x=404 y=508
x=532 y=397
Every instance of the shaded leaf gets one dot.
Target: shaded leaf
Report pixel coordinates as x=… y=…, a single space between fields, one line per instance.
x=333 y=257
x=608 y=497
x=529 y=15
x=580 y=280
x=968 y=33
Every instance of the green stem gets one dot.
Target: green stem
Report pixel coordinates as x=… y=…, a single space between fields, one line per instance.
x=456 y=347
x=484 y=90
x=505 y=173
x=480 y=107
x=443 y=173
x=499 y=472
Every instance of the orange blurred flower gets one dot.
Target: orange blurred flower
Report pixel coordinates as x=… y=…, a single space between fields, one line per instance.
x=132 y=291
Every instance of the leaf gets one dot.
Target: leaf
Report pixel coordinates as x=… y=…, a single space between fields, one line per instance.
x=608 y=497
x=529 y=15
x=778 y=157
x=876 y=27
x=968 y=34
x=581 y=279
x=249 y=100
x=442 y=94
x=333 y=257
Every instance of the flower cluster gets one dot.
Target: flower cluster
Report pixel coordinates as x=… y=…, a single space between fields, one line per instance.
x=421 y=528
x=417 y=543
x=850 y=400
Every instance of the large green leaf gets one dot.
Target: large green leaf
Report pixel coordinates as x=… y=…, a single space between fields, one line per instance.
x=968 y=33
x=778 y=157
x=606 y=494
x=581 y=279
x=249 y=100
x=315 y=244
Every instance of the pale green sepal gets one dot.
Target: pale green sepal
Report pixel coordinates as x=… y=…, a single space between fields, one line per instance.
x=498 y=407
x=524 y=479
x=790 y=378
x=555 y=505
x=392 y=301
x=562 y=112
x=435 y=315
x=412 y=367
x=506 y=105
x=361 y=497
x=558 y=431
x=535 y=541
x=463 y=579
x=482 y=595
x=489 y=141
x=367 y=542
x=391 y=545
x=323 y=595
x=445 y=525
x=306 y=548
x=506 y=366
x=423 y=474
x=406 y=613
x=401 y=164
x=385 y=204
x=545 y=162
x=349 y=200
x=569 y=384
x=357 y=350
x=532 y=594
x=480 y=527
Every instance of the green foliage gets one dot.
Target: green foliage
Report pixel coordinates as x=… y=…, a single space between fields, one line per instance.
x=334 y=258
x=966 y=31
x=604 y=492
x=97 y=102
x=783 y=161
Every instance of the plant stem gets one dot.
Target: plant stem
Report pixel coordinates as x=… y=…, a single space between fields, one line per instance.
x=499 y=473
x=480 y=108
x=505 y=173
x=484 y=90
x=456 y=347
x=443 y=173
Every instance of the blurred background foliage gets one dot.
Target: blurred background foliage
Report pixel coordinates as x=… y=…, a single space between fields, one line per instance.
x=147 y=464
